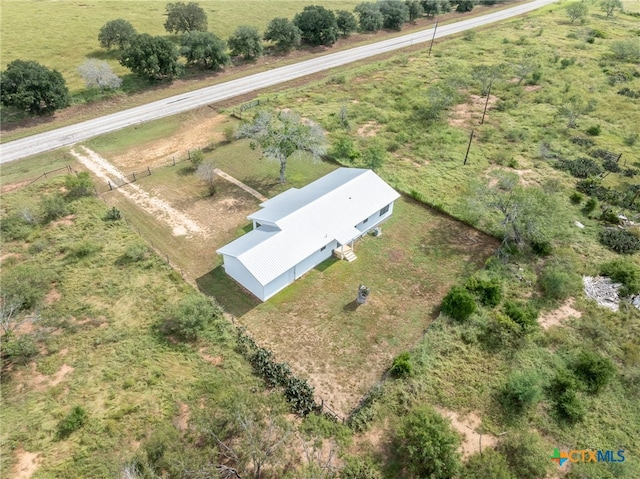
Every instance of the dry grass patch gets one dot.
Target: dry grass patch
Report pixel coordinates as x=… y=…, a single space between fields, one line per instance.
x=558 y=316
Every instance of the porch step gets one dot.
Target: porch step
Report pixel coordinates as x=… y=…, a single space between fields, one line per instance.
x=350 y=256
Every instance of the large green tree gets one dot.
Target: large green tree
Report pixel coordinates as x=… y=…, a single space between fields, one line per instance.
x=152 y=57
x=370 y=18
x=31 y=87
x=283 y=33
x=395 y=14
x=246 y=41
x=185 y=17
x=415 y=9
x=317 y=25
x=427 y=445
x=466 y=5
x=283 y=134
x=204 y=49
x=118 y=33
x=347 y=23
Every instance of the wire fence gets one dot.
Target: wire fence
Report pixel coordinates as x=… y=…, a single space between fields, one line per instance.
x=65 y=170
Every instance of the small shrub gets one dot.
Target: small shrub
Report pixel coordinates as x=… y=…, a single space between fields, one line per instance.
x=521 y=392
x=15 y=228
x=590 y=205
x=596 y=33
x=526 y=454
x=83 y=248
x=489 y=292
x=609 y=216
x=428 y=445
x=458 y=304
x=619 y=240
x=196 y=158
x=593 y=130
x=563 y=391
x=632 y=138
x=135 y=252
x=624 y=272
x=19 y=349
x=401 y=366
x=228 y=133
x=299 y=395
x=593 y=370
x=522 y=314
x=187 y=319
x=501 y=332
x=541 y=247
x=489 y=464
x=569 y=407
x=558 y=283
x=113 y=214
x=53 y=207
x=567 y=62
x=79 y=185
x=576 y=198
x=469 y=35
x=71 y=422
x=358 y=468
x=345 y=150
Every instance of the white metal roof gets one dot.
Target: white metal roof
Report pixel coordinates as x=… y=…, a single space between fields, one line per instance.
x=307 y=219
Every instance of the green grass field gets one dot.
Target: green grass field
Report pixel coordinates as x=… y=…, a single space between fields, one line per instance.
x=72 y=28
x=461 y=367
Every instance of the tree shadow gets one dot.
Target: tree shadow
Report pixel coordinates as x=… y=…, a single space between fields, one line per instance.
x=231 y=296
x=104 y=54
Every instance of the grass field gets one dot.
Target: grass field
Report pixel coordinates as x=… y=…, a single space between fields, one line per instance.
x=72 y=28
x=97 y=349
x=460 y=368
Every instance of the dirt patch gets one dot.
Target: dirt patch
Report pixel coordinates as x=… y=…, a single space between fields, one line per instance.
x=560 y=315
x=14 y=186
x=468 y=427
x=35 y=381
x=182 y=421
x=64 y=221
x=465 y=114
x=9 y=255
x=213 y=360
x=52 y=296
x=532 y=88
x=369 y=129
x=26 y=464
x=195 y=133
x=179 y=222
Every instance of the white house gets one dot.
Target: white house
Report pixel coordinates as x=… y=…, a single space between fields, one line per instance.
x=300 y=228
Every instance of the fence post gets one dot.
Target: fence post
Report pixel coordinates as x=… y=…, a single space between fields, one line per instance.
x=134 y=176
x=189 y=153
x=174 y=160
x=110 y=187
x=45 y=175
x=149 y=170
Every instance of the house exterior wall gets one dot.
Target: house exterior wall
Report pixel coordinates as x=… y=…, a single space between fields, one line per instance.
x=298 y=270
x=237 y=271
x=374 y=219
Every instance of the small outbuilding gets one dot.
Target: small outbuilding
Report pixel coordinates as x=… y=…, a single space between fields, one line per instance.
x=300 y=228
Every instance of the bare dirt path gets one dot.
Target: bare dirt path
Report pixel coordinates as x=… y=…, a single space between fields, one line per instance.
x=180 y=223
x=239 y=183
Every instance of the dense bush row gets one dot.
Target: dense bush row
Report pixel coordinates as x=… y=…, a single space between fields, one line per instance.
x=298 y=392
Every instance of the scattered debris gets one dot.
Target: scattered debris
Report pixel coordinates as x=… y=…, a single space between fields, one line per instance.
x=602 y=290
x=579 y=225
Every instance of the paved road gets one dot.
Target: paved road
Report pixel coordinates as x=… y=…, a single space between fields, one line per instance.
x=73 y=134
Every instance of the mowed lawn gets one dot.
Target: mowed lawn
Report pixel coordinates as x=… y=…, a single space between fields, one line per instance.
x=343 y=349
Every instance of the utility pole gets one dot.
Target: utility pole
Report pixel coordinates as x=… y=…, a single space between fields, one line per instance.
x=434 y=37
x=468 y=148
x=486 y=103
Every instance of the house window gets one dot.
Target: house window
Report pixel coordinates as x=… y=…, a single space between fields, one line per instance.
x=323 y=248
x=365 y=221
x=384 y=210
